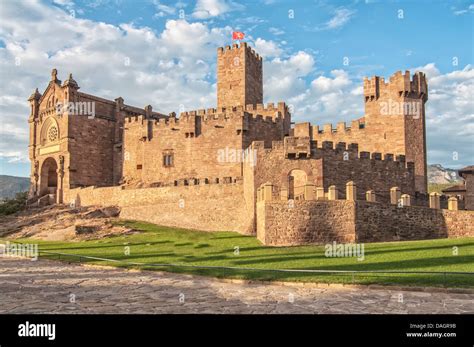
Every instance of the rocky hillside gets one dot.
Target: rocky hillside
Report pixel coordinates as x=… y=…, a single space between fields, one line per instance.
x=62 y=223
x=10 y=185
x=440 y=175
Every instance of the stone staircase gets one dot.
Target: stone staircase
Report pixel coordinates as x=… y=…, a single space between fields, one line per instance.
x=47 y=199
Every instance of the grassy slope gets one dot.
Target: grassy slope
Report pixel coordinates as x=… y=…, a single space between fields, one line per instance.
x=169 y=245
x=438 y=187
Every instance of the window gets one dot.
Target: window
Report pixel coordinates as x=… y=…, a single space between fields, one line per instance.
x=167 y=160
x=52 y=133
x=49 y=131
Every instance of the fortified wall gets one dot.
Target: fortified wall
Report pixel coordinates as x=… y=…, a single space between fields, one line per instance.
x=326 y=163
x=325 y=218
x=201 y=144
x=199 y=205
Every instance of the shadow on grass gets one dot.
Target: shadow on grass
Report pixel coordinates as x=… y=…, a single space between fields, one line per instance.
x=449 y=280
x=95 y=246
x=368 y=249
x=384 y=265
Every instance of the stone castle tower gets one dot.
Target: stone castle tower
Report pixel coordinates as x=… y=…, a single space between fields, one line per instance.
x=396 y=110
x=394 y=122
x=239 y=76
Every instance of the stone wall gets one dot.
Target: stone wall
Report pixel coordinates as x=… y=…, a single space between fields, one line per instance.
x=194 y=142
x=307 y=222
x=204 y=144
x=380 y=222
x=327 y=164
x=270 y=122
x=95 y=165
x=469 y=200
x=211 y=207
x=284 y=223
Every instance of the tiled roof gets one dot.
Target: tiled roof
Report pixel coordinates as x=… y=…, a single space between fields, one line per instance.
x=467 y=169
x=456 y=188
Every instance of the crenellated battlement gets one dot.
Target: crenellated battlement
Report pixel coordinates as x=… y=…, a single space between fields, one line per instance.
x=236 y=48
x=250 y=108
x=304 y=148
x=216 y=118
x=340 y=128
x=269 y=107
x=340 y=131
x=399 y=85
x=266 y=112
x=351 y=152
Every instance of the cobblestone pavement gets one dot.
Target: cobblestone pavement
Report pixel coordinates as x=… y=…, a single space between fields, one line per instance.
x=47 y=286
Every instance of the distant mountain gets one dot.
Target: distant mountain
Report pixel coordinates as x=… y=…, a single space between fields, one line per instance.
x=10 y=185
x=441 y=175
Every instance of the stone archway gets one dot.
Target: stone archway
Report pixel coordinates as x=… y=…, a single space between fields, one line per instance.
x=297 y=180
x=49 y=177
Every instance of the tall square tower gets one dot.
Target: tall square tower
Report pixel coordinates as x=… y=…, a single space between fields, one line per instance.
x=239 y=76
x=396 y=110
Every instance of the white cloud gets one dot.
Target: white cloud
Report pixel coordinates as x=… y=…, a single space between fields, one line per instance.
x=450 y=114
x=341 y=17
x=164 y=9
x=325 y=84
x=64 y=2
x=193 y=39
x=276 y=31
x=469 y=9
x=330 y=99
x=284 y=78
x=213 y=8
x=429 y=69
x=267 y=49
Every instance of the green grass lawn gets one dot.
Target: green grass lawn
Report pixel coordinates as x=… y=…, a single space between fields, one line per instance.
x=438 y=187
x=157 y=244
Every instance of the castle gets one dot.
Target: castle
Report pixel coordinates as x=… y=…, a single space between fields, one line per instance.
x=214 y=169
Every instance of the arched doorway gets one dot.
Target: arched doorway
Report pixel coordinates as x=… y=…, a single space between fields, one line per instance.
x=49 y=177
x=296 y=182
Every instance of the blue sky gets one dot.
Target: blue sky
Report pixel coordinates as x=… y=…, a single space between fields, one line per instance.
x=172 y=45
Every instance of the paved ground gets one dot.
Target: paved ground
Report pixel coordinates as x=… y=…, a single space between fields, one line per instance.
x=54 y=287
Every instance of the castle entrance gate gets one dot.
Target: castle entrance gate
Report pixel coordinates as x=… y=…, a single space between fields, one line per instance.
x=296 y=182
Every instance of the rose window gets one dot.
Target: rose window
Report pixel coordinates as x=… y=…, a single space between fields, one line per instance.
x=53 y=134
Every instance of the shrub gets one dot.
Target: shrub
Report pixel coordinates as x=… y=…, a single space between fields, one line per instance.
x=16 y=204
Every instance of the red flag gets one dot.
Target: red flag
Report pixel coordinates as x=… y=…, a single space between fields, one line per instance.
x=237 y=35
